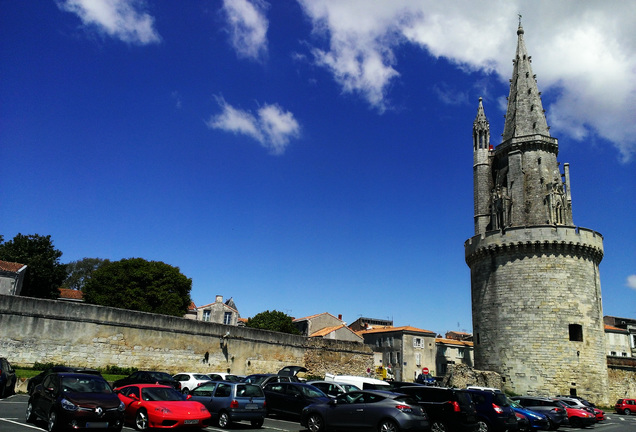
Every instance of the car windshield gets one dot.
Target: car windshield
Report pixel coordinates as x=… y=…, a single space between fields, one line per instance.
x=160 y=376
x=514 y=404
x=256 y=379
x=202 y=377
x=85 y=385
x=161 y=394
x=232 y=378
x=249 y=390
x=349 y=387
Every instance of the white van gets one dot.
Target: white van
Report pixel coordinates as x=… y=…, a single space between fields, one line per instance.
x=365 y=383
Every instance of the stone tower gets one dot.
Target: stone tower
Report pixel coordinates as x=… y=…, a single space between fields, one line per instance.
x=536 y=294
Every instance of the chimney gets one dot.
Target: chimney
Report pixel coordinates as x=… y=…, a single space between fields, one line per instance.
x=340 y=317
x=219 y=299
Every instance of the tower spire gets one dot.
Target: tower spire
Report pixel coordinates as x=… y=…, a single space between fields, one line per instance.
x=525 y=115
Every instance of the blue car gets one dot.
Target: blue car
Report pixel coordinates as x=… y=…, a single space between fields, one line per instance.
x=533 y=420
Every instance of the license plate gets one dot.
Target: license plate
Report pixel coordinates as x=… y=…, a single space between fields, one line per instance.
x=191 y=422
x=96 y=425
x=251 y=406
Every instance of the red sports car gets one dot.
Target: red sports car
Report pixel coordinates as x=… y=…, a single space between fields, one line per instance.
x=159 y=406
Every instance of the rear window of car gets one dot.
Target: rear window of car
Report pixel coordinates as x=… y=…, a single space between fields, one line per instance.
x=501 y=400
x=160 y=376
x=406 y=399
x=249 y=390
x=369 y=386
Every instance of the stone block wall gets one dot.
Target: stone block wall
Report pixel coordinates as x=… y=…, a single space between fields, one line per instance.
x=37 y=330
x=529 y=286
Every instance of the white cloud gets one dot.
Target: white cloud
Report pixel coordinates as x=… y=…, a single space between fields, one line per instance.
x=585 y=54
x=272 y=127
x=631 y=281
x=248 y=27
x=121 y=19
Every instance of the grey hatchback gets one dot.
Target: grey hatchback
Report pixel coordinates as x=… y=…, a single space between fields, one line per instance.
x=230 y=402
x=367 y=410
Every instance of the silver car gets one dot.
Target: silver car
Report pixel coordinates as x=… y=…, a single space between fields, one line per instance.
x=230 y=402
x=366 y=410
x=333 y=388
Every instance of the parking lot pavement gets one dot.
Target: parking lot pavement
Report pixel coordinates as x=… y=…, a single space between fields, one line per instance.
x=12 y=419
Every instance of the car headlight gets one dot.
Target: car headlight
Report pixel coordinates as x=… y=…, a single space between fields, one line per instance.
x=162 y=410
x=121 y=407
x=68 y=405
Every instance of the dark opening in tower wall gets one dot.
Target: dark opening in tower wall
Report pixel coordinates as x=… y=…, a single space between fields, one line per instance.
x=576 y=332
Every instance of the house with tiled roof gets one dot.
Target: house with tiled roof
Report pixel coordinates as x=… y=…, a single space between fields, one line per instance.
x=11 y=277
x=455 y=348
x=219 y=312
x=311 y=324
x=400 y=353
x=620 y=336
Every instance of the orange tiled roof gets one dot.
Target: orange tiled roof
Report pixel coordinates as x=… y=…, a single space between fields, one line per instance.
x=10 y=266
x=326 y=331
x=453 y=342
x=72 y=294
x=394 y=329
x=609 y=327
x=192 y=306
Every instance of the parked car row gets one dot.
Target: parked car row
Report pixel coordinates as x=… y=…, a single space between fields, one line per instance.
x=81 y=398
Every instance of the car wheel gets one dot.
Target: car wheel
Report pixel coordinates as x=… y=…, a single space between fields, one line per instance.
x=257 y=423
x=387 y=426
x=627 y=411
x=315 y=423
x=438 y=427
x=52 y=424
x=224 y=420
x=29 y=413
x=141 y=420
x=482 y=426
x=186 y=391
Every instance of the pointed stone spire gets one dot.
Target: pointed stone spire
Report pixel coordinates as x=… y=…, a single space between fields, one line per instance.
x=481 y=129
x=525 y=115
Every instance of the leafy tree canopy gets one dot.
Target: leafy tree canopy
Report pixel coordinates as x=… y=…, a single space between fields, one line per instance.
x=137 y=284
x=78 y=272
x=44 y=273
x=274 y=321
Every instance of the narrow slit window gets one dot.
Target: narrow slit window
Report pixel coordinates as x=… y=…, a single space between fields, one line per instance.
x=576 y=332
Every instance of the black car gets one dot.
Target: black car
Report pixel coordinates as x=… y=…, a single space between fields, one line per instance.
x=365 y=410
x=39 y=377
x=263 y=379
x=7 y=378
x=78 y=401
x=289 y=398
x=549 y=407
x=448 y=409
x=494 y=413
x=148 y=377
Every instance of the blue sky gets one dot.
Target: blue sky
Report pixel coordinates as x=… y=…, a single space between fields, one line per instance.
x=304 y=156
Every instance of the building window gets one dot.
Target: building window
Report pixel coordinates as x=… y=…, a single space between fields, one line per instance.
x=417 y=342
x=418 y=359
x=397 y=358
x=227 y=318
x=576 y=332
x=460 y=352
x=624 y=354
x=612 y=353
x=206 y=315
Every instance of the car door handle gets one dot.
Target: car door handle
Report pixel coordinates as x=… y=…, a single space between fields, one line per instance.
x=360 y=410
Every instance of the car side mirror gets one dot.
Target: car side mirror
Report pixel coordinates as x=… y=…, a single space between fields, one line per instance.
x=188 y=397
x=134 y=397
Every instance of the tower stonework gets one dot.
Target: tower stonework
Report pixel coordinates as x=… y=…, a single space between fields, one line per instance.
x=535 y=285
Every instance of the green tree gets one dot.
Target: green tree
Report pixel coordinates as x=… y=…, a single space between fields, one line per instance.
x=274 y=321
x=44 y=273
x=78 y=272
x=137 y=284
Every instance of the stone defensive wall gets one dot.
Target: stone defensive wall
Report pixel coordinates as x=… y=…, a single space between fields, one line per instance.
x=78 y=334
x=539 y=239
